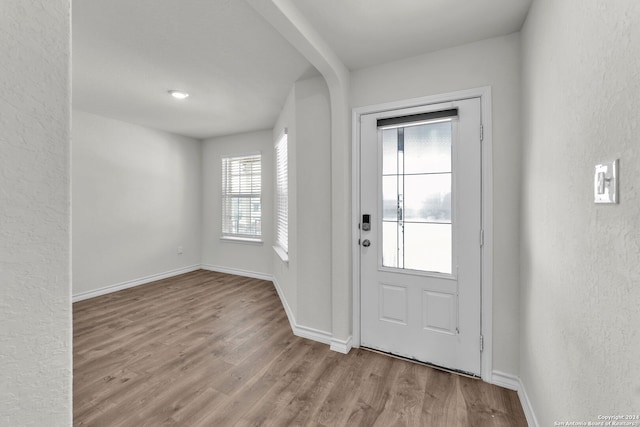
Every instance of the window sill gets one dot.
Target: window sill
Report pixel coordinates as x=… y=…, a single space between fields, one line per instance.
x=282 y=254
x=243 y=240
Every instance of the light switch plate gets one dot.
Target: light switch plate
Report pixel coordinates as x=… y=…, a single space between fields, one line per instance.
x=605 y=182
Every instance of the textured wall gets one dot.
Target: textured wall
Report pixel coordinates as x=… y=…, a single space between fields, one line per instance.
x=136 y=199
x=35 y=307
x=313 y=156
x=249 y=257
x=580 y=262
x=493 y=62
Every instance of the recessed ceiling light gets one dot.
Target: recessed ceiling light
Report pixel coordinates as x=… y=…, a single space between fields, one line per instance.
x=178 y=94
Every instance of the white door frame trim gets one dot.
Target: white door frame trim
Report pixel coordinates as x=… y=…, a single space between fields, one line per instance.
x=484 y=93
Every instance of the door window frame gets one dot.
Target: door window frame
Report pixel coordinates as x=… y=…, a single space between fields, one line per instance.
x=486 y=250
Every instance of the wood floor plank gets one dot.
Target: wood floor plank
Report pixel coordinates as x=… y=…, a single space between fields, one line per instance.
x=336 y=408
x=293 y=371
x=212 y=349
x=373 y=393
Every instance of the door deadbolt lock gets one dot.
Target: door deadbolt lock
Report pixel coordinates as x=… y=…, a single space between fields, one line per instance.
x=366 y=243
x=366 y=222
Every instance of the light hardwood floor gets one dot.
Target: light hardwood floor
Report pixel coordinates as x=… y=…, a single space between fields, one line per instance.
x=212 y=349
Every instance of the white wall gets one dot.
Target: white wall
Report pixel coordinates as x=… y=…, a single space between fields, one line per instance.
x=495 y=63
x=580 y=293
x=313 y=157
x=35 y=289
x=243 y=256
x=305 y=280
x=136 y=199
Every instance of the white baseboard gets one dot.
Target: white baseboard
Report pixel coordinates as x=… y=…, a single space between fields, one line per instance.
x=341 y=346
x=300 y=330
x=505 y=380
x=526 y=406
x=132 y=283
x=285 y=304
x=514 y=383
x=312 y=334
x=237 y=272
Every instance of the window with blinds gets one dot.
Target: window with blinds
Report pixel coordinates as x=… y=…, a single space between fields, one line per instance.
x=241 y=197
x=282 y=198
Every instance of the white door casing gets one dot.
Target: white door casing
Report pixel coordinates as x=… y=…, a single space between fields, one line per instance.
x=432 y=316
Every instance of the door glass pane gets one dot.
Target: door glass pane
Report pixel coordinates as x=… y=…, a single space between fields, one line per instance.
x=427 y=198
x=416 y=186
x=390 y=198
x=427 y=148
x=389 y=151
x=390 y=247
x=427 y=247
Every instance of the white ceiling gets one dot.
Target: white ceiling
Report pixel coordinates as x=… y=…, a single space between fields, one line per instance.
x=368 y=32
x=238 y=69
x=128 y=53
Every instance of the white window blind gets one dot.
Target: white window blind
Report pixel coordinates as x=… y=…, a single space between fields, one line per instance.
x=282 y=195
x=241 y=196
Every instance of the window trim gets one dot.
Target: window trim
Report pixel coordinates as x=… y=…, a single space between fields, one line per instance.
x=244 y=240
x=281 y=216
x=225 y=195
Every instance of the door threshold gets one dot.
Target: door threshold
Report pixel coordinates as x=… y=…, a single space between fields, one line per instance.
x=427 y=364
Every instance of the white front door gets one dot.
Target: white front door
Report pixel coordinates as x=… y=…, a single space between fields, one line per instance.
x=420 y=235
